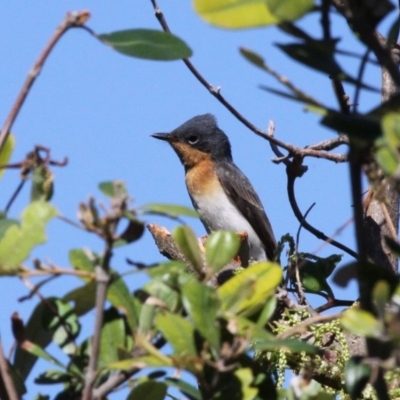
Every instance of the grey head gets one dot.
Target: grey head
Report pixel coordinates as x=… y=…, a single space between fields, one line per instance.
x=200 y=133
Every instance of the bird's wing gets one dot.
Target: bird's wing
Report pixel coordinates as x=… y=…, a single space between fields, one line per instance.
x=240 y=190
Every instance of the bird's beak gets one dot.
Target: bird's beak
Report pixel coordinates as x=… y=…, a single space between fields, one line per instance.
x=162 y=136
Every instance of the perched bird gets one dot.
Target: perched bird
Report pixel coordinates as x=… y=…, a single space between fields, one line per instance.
x=220 y=192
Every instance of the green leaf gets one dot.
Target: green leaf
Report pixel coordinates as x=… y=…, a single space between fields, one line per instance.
x=362 y=323
x=151 y=361
x=235 y=15
x=381 y=296
x=5 y=224
x=168 y=270
x=314 y=272
x=259 y=280
x=37 y=351
x=147 y=44
x=168 y=210
x=201 y=303
x=320 y=55
x=59 y=318
x=83 y=297
x=133 y=231
x=387 y=146
x=148 y=390
x=263 y=340
x=34 y=332
x=81 y=261
x=289 y=10
x=179 y=333
x=113 y=188
x=188 y=390
x=357 y=375
x=51 y=377
x=187 y=243
x=42 y=183
x=146 y=319
x=259 y=62
x=164 y=292
x=267 y=311
x=6 y=152
x=246 y=378
x=221 y=247
x=18 y=241
x=107 y=188
x=364 y=128
x=119 y=296
x=113 y=337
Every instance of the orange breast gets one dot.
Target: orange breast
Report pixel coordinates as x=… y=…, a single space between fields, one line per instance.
x=201 y=179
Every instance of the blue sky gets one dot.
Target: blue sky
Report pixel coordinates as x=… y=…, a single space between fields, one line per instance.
x=98 y=108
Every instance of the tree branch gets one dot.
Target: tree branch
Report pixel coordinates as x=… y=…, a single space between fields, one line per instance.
x=102 y=280
x=6 y=377
x=73 y=19
x=292 y=173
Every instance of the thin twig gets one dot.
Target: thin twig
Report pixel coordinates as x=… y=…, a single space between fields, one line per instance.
x=14 y=195
x=112 y=382
x=330 y=144
x=302 y=326
x=360 y=74
x=6 y=376
x=102 y=280
x=334 y=303
x=70 y=222
x=309 y=227
x=70 y=20
x=337 y=232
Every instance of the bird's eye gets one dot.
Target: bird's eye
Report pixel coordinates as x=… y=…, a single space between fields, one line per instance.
x=193 y=139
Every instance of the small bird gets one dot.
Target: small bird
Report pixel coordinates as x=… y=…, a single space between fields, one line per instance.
x=220 y=192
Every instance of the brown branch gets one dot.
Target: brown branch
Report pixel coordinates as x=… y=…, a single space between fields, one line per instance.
x=291 y=174
x=73 y=19
x=216 y=92
x=6 y=377
x=111 y=383
x=302 y=326
x=331 y=144
x=168 y=248
x=102 y=280
x=14 y=195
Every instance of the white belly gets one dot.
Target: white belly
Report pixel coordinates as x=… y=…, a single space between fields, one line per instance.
x=217 y=212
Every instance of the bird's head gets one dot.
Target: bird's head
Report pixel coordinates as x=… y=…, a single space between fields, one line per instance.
x=198 y=139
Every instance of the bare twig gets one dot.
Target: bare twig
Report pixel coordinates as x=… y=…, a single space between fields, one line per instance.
x=70 y=20
x=334 y=303
x=6 y=376
x=306 y=225
x=302 y=326
x=337 y=232
x=360 y=74
x=102 y=280
x=331 y=144
x=112 y=382
x=14 y=195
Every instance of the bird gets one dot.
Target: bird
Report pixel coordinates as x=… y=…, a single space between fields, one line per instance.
x=220 y=192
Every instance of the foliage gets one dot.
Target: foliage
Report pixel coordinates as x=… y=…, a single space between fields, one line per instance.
x=235 y=337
